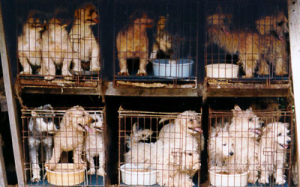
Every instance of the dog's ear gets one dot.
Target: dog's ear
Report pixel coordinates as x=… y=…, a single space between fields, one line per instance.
x=236 y=110
x=77 y=13
x=286 y=125
x=34 y=113
x=134 y=128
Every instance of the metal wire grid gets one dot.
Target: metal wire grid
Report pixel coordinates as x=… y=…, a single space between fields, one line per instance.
x=245 y=40
x=36 y=137
x=142 y=145
x=71 y=38
x=220 y=153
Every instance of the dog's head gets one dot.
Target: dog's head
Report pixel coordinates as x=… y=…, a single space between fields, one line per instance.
x=221 y=144
x=144 y=21
x=43 y=118
x=279 y=133
x=190 y=120
x=56 y=23
x=97 y=124
x=77 y=118
x=245 y=122
x=36 y=21
x=161 y=24
x=87 y=14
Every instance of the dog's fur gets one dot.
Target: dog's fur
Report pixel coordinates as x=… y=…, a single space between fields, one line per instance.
x=246 y=128
x=82 y=38
x=137 y=135
x=57 y=50
x=220 y=146
x=174 y=167
x=273 y=144
x=163 y=41
x=41 y=128
x=254 y=50
x=277 y=23
x=70 y=136
x=30 y=44
x=132 y=42
x=94 y=145
x=185 y=129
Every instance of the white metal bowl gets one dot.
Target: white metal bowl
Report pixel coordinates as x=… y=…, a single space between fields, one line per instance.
x=137 y=175
x=180 y=68
x=66 y=174
x=222 y=70
x=217 y=179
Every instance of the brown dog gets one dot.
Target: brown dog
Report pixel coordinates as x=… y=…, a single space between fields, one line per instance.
x=254 y=50
x=132 y=42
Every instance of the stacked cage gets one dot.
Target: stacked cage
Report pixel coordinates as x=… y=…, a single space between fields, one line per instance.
x=58 y=42
x=250 y=147
x=161 y=149
x=64 y=147
x=156 y=44
x=247 y=40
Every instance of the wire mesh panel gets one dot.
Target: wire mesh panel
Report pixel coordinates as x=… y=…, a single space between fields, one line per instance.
x=247 y=40
x=58 y=42
x=156 y=41
x=161 y=149
x=250 y=148
x=64 y=147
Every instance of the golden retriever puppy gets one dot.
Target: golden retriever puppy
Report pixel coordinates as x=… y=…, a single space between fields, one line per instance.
x=94 y=145
x=253 y=49
x=132 y=42
x=57 y=50
x=277 y=23
x=273 y=147
x=82 y=38
x=30 y=44
x=70 y=135
x=163 y=41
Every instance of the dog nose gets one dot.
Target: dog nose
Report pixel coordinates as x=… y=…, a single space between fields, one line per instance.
x=289 y=141
x=231 y=153
x=93 y=120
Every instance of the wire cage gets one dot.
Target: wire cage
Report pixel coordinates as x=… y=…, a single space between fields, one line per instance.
x=156 y=42
x=58 y=42
x=160 y=149
x=250 y=147
x=64 y=147
x=247 y=41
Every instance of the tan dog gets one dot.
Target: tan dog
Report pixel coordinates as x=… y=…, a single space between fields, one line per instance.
x=57 y=50
x=132 y=42
x=277 y=23
x=163 y=40
x=30 y=44
x=70 y=135
x=254 y=50
x=272 y=148
x=83 y=39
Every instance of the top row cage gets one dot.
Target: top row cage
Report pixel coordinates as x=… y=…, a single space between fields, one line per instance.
x=170 y=42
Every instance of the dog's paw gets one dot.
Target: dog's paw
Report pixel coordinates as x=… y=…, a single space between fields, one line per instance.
x=263 y=180
x=101 y=172
x=49 y=77
x=91 y=171
x=36 y=175
x=141 y=74
x=95 y=69
x=280 y=180
x=252 y=179
x=68 y=77
x=123 y=73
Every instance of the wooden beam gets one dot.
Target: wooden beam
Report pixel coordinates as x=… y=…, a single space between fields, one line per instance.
x=12 y=111
x=294 y=25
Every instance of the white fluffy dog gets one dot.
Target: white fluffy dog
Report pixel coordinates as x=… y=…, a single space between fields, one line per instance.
x=57 y=50
x=273 y=148
x=186 y=129
x=245 y=127
x=70 y=135
x=30 y=44
x=94 y=145
x=82 y=37
x=174 y=164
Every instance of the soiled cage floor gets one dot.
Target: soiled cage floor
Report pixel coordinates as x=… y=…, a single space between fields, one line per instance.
x=93 y=180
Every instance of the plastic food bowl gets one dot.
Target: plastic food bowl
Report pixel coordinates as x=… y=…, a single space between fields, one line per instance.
x=180 y=68
x=219 y=179
x=137 y=175
x=66 y=175
x=222 y=70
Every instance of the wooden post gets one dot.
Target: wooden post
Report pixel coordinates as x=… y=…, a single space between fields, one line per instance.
x=3 y=179
x=294 y=26
x=11 y=103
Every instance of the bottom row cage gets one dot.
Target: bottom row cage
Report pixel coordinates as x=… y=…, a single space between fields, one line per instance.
x=161 y=149
x=250 y=148
x=64 y=147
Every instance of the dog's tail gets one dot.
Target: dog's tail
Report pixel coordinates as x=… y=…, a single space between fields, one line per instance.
x=137 y=135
